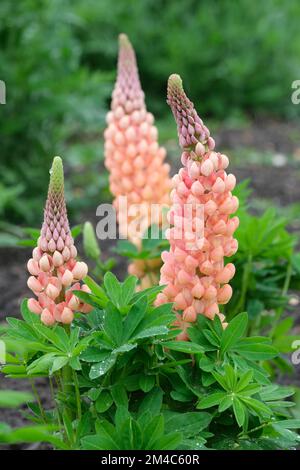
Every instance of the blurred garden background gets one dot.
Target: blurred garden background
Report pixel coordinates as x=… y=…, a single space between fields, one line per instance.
x=58 y=60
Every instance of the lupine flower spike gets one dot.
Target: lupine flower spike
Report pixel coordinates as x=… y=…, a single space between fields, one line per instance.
x=55 y=273
x=194 y=269
x=132 y=154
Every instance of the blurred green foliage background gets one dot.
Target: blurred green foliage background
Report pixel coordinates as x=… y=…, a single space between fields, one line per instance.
x=58 y=61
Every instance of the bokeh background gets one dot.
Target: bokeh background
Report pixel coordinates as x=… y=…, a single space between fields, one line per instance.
x=238 y=60
x=58 y=60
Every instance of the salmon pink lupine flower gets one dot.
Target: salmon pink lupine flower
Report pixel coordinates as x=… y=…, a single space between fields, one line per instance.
x=54 y=271
x=132 y=153
x=194 y=272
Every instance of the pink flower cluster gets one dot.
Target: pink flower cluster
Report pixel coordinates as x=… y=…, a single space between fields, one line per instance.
x=132 y=154
x=202 y=230
x=55 y=273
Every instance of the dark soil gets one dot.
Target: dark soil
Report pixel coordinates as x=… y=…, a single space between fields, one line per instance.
x=263 y=135
x=279 y=185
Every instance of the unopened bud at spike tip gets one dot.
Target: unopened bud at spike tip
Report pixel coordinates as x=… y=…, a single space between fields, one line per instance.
x=53 y=259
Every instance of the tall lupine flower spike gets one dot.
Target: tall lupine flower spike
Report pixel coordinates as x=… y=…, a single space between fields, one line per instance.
x=194 y=270
x=55 y=273
x=132 y=154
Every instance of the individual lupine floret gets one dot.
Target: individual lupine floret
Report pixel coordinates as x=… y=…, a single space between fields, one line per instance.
x=132 y=153
x=202 y=227
x=55 y=273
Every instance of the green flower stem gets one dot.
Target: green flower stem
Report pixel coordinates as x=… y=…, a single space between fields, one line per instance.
x=77 y=394
x=68 y=389
x=55 y=402
x=245 y=284
x=38 y=399
x=261 y=426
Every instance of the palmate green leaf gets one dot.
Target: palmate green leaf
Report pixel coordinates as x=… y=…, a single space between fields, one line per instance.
x=260 y=374
x=13 y=398
x=234 y=331
x=151 y=332
x=225 y=403
x=74 y=336
x=288 y=423
x=206 y=363
x=167 y=442
x=58 y=363
x=119 y=394
x=211 y=400
x=101 y=441
x=197 y=336
x=125 y=435
x=37 y=433
x=189 y=423
x=121 y=416
x=193 y=444
x=239 y=411
x=94 y=354
x=29 y=317
x=57 y=336
x=286 y=435
x=251 y=389
x=41 y=365
x=152 y=402
x=244 y=380
x=276 y=392
x=17 y=371
x=113 y=288
x=182 y=397
x=222 y=380
x=216 y=326
x=126 y=248
x=76 y=230
x=100 y=368
x=81 y=345
x=136 y=437
x=256 y=406
x=146 y=382
x=184 y=346
x=113 y=324
x=284 y=344
x=153 y=429
x=255 y=348
x=150 y=292
x=283 y=327
x=90 y=299
x=127 y=290
x=207 y=379
x=231 y=376
x=124 y=348
x=212 y=338
x=85 y=425
x=161 y=315
x=75 y=363
x=96 y=290
x=134 y=318
x=103 y=402
x=21 y=330
x=93 y=393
